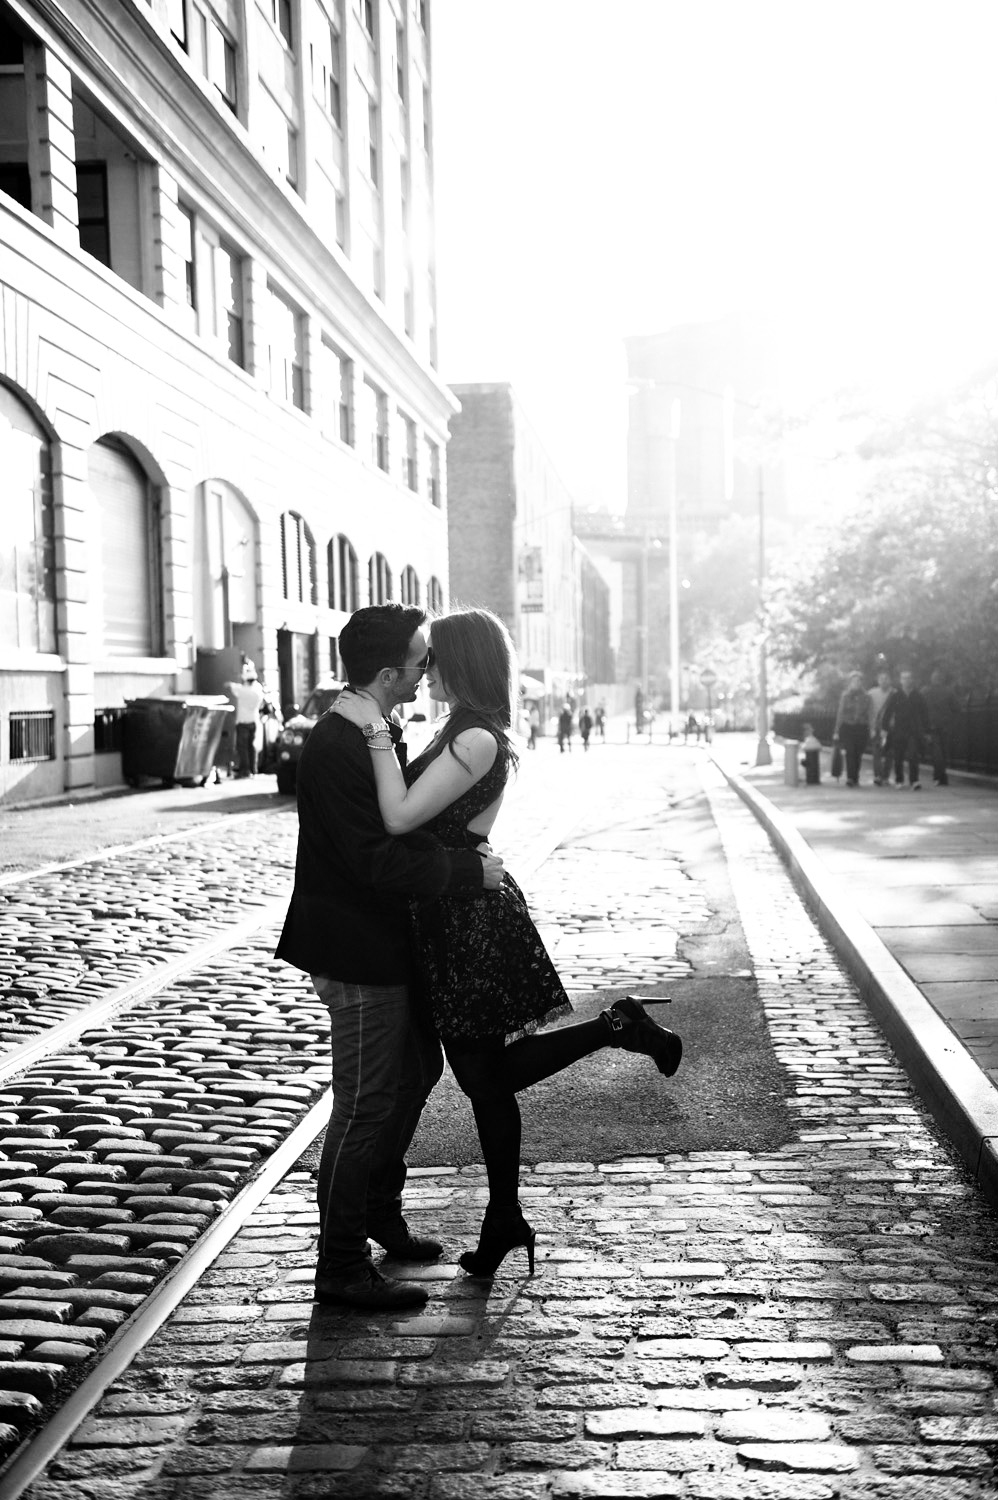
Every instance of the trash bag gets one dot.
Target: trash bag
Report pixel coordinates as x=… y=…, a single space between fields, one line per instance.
x=837 y=762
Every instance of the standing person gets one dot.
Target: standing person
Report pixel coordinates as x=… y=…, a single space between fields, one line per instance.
x=942 y=707
x=585 y=726
x=905 y=721
x=566 y=725
x=248 y=696
x=534 y=723
x=489 y=980
x=600 y=720
x=852 y=725
x=878 y=696
x=348 y=927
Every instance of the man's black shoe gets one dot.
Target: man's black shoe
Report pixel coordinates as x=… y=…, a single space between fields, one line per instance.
x=366 y=1288
x=398 y=1242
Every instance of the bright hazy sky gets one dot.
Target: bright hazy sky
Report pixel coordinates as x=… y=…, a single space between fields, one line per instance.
x=618 y=168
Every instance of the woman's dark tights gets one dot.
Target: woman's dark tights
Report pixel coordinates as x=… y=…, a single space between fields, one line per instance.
x=492 y=1075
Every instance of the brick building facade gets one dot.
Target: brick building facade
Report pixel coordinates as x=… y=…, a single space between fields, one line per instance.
x=513 y=548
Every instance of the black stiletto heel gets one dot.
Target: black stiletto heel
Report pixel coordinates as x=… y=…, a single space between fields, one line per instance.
x=632 y=1028
x=502 y=1231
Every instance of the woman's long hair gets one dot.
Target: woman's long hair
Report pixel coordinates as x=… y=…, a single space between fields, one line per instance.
x=475 y=660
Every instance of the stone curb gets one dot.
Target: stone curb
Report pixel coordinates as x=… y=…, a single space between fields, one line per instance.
x=958 y=1093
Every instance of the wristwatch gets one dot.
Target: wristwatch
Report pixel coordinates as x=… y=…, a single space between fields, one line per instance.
x=372 y=730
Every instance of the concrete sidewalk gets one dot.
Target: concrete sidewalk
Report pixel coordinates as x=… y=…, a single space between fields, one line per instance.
x=905 y=886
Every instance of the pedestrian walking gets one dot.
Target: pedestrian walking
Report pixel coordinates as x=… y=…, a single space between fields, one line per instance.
x=533 y=726
x=905 y=722
x=248 y=697
x=600 y=720
x=852 y=725
x=942 y=707
x=585 y=726
x=487 y=974
x=348 y=927
x=878 y=696
x=566 y=726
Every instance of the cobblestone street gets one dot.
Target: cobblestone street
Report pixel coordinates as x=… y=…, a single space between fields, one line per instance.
x=808 y=1322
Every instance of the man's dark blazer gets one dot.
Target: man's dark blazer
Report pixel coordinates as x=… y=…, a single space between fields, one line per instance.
x=349 y=912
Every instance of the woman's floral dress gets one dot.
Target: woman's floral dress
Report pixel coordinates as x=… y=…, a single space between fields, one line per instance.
x=485 y=971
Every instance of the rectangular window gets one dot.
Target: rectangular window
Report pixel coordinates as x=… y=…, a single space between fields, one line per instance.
x=426 y=119
x=15 y=181
x=108 y=730
x=91 y=193
x=291 y=172
x=341 y=219
x=280 y=14
x=367 y=16
x=32 y=734
x=285 y=347
x=222 y=64
x=372 y=141
x=190 y=262
x=338 y=382
x=400 y=60
x=405 y=188
x=432 y=473
x=408 y=301
x=377 y=413
x=229 y=267
x=409 y=475
x=334 y=99
x=176 y=11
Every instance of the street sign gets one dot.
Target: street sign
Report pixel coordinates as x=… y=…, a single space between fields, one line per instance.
x=708 y=677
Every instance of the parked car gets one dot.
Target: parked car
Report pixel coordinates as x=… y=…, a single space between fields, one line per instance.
x=297 y=729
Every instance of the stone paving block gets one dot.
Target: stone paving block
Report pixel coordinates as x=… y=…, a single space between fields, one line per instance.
x=640 y=1422
x=807 y=1457
x=930 y=1459
x=132 y=1431
x=321 y=1457
x=330 y=1372
x=675 y=1458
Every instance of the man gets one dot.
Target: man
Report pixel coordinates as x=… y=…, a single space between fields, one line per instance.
x=905 y=723
x=943 y=707
x=247 y=695
x=348 y=927
x=878 y=696
x=852 y=725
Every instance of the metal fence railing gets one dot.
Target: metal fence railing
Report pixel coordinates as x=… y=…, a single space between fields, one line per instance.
x=972 y=739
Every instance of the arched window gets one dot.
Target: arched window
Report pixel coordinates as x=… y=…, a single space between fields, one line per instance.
x=434 y=597
x=299 y=576
x=27 y=549
x=409 y=586
x=344 y=586
x=379 y=579
x=129 y=593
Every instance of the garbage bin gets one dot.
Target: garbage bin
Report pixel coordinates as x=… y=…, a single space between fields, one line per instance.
x=791 y=762
x=173 y=738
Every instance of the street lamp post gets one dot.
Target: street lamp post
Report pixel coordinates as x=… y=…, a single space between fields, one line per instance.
x=674 y=420
x=763 y=754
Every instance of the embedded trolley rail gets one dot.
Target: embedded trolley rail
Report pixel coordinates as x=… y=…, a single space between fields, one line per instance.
x=160 y=1072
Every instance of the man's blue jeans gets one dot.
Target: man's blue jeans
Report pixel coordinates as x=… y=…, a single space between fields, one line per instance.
x=384 y=1067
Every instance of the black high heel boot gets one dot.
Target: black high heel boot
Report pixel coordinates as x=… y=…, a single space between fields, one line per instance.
x=632 y=1028
x=503 y=1229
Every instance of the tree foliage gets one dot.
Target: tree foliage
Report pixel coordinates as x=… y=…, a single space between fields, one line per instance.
x=912 y=573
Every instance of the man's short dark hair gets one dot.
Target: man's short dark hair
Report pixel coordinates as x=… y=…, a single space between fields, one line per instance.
x=377 y=637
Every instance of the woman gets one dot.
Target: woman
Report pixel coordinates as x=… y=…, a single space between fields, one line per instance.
x=488 y=977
